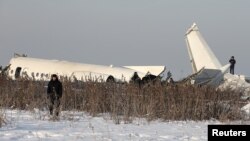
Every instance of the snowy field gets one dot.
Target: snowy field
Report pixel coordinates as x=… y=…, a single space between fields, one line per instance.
x=72 y=126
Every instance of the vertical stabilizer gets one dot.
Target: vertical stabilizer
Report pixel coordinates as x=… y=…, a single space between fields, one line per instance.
x=201 y=56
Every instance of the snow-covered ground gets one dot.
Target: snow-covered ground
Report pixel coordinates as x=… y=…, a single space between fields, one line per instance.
x=235 y=82
x=32 y=126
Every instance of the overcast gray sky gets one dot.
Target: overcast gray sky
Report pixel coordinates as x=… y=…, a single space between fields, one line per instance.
x=124 y=32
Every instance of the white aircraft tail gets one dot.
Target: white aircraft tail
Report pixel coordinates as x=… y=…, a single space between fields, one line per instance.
x=208 y=70
x=201 y=56
x=203 y=61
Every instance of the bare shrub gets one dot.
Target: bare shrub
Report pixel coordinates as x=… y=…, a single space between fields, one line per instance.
x=123 y=101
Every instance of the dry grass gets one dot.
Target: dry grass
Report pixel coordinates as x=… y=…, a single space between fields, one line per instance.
x=2 y=120
x=124 y=102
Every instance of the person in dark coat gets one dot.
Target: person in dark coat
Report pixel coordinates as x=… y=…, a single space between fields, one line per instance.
x=54 y=93
x=232 y=61
x=135 y=78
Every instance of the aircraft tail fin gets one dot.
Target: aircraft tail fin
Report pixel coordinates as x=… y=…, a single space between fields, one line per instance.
x=201 y=56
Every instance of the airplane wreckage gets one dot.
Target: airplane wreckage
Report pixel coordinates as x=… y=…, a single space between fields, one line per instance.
x=207 y=70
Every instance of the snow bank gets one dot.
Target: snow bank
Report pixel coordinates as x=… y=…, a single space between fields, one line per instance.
x=235 y=82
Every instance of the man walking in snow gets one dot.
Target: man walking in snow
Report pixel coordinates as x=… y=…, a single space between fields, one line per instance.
x=54 y=93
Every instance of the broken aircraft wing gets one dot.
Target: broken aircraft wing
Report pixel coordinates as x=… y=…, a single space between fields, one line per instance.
x=154 y=70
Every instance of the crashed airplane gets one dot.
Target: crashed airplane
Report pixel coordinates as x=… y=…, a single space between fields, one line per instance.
x=41 y=69
x=205 y=65
x=207 y=70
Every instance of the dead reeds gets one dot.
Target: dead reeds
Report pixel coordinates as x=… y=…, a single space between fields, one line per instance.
x=123 y=101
